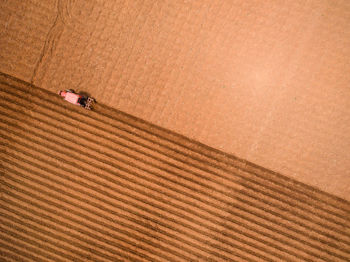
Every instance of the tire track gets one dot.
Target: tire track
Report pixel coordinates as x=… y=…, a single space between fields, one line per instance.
x=52 y=37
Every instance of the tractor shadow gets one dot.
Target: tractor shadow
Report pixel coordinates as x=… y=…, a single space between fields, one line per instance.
x=87 y=95
x=83 y=93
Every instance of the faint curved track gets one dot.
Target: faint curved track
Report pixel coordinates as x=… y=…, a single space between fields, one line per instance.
x=53 y=36
x=105 y=186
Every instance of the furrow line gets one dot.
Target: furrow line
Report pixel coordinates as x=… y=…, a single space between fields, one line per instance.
x=23 y=247
x=77 y=190
x=20 y=212
x=36 y=241
x=118 y=184
x=262 y=190
x=80 y=199
x=56 y=142
x=8 y=81
x=50 y=211
x=251 y=228
x=24 y=255
x=221 y=158
x=8 y=256
x=340 y=227
x=153 y=146
x=48 y=236
x=176 y=229
x=110 y=245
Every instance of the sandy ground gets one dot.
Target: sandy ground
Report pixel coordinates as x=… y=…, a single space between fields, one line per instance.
x=106 y=186
x=267 y=81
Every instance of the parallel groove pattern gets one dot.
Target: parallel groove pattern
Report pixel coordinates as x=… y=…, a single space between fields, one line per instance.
x=75 y=189
x=254 y=188
x=265 y=181
x=79 y=185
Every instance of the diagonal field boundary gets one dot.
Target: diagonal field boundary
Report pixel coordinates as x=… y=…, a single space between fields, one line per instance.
x=102 y=185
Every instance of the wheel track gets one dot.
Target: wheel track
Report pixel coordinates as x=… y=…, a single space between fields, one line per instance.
x=154 y=176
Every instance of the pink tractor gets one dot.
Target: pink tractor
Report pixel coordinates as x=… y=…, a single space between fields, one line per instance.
x=77 y=99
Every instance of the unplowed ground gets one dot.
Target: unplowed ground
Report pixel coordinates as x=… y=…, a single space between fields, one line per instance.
x=100 y=185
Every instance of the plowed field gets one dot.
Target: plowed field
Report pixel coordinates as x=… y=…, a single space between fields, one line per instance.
x=267 y=81
x=101 y=185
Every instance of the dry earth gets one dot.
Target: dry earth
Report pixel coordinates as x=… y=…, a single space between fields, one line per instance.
x=101 y=185
x=267 y=81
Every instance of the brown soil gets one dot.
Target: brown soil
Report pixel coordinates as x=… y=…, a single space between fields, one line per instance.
x=105 y=186
x=267 y=81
